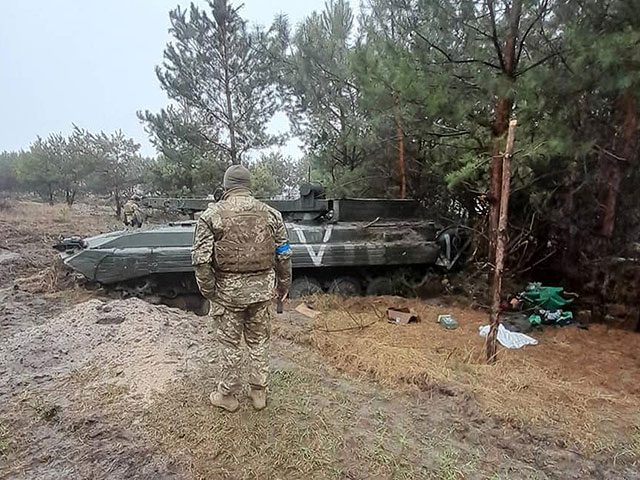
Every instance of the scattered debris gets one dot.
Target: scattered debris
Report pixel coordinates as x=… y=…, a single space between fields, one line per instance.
x=307 y=311
x=544 y=305
x=550 y=317
x=509 y=339
x=401 y=316
x=448 y=322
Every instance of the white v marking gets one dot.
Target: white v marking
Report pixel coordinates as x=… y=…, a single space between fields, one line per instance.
x=316 y=258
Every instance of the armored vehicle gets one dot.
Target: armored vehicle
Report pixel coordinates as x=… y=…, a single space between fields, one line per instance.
x=344 y=246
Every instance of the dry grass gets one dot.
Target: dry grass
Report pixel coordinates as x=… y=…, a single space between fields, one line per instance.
x=50 y=279
x=310 y=430
x=582 y=385
x=43 y=213
x=315 y=427
x=40 y=221
x=30 y=229
x=7 y=441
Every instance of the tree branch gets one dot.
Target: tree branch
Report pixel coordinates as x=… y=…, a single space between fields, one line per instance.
x=449 y=58
x=494 y=34
x=539 y=16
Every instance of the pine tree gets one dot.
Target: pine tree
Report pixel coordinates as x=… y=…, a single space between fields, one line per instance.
x=39 y=169
x=117 y=165
x=217 y=75
x=319 y=92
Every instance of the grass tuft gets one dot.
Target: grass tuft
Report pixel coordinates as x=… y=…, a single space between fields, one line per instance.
x=6 y=441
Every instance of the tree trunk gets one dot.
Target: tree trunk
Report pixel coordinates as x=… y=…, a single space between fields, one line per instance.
x=69 y=197
x=189 y=182
x=501 y=240
x=504 y=105
x=616 y=167
x=344 y=151
x=568 y=229
x=233 y=151
x=116 y=195
x=401 y=164
x=500 y=126
x=231 y=124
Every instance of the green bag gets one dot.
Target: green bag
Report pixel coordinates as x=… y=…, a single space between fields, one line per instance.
x=546 y=298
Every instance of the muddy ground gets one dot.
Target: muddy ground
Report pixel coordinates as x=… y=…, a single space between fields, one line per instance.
x=102 y=388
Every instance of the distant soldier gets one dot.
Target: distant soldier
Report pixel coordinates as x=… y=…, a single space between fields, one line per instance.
x=132 y=214
x=242 y=257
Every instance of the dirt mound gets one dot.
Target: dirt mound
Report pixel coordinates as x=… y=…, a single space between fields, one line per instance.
x=129 y=341
x=16 y=311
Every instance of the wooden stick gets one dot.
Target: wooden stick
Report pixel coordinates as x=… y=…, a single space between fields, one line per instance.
x=496 y=288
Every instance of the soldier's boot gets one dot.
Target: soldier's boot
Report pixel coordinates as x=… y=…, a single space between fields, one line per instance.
x=227 y=402
x=258 y=397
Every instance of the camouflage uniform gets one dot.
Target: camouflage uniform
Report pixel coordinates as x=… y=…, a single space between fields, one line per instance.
x=241 y=255
x=132 y=214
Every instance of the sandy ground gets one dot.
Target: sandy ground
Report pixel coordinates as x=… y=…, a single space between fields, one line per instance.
x=109 y=389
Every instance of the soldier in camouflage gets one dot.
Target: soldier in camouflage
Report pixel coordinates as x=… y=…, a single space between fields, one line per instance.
x=132 y=214
x=241 y=256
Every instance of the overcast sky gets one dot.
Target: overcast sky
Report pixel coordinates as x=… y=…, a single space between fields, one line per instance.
x=91 y=62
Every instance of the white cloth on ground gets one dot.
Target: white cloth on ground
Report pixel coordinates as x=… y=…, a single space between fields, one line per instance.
x=509 y=339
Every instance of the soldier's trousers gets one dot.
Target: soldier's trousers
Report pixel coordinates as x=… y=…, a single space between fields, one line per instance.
x=254 y=323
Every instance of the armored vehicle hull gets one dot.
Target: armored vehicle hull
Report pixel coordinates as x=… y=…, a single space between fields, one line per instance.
x=344 y=246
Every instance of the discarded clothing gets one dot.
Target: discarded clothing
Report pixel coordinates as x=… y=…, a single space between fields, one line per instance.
x=547 y=298
x=545 y=305
x=509 y=339
x=546 y=317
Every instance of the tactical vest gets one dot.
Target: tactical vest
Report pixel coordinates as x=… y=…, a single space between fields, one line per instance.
x=247 y=244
